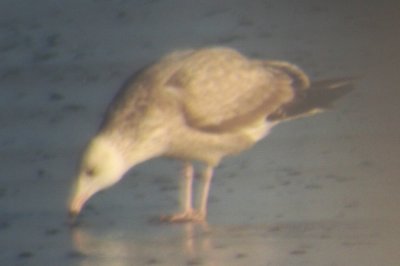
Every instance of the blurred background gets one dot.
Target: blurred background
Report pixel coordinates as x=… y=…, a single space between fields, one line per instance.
x=318 y=191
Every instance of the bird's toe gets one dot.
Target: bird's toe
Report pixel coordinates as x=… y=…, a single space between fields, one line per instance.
x=185 y=217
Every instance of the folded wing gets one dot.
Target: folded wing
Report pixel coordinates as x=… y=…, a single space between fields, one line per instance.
x=222 y=90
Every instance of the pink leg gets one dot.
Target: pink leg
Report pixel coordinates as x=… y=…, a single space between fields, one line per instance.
x=188 y=214
x=187 y=188
x=205 y=190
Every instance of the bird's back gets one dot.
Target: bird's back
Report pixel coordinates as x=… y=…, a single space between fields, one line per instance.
x=222 y=90
x=214 y=91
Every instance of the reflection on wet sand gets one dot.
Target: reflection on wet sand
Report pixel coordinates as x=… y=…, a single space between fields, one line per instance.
x=291 y=243
x=119 y=248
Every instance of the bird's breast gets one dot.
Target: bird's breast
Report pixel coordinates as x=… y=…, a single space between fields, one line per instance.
x=189 y=144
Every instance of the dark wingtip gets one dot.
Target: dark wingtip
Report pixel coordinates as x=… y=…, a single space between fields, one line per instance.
x=328 y=91
x=346 y=83
x=318 y=97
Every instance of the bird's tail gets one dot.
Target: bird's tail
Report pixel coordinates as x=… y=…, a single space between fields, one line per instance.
x=317 y=98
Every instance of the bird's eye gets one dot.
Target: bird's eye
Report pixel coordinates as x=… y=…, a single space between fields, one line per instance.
x=90 y=172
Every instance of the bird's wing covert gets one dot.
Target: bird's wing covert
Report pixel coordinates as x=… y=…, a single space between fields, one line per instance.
x=223 y=90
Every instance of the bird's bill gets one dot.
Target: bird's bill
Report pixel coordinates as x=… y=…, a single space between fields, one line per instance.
x=75 y=205
x=80 y=195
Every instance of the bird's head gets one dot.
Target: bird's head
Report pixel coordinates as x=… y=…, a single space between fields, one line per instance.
x=102 y=165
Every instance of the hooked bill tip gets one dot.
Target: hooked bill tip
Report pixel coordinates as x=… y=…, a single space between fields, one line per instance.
x=72 y=217
x=72 y=214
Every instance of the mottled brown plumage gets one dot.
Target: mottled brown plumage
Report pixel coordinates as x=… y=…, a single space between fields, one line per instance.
x=196 y=105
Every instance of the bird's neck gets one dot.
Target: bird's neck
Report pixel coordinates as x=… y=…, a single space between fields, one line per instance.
x=138 y=148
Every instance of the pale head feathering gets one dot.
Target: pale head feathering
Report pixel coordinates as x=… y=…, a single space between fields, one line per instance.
x=102 y=165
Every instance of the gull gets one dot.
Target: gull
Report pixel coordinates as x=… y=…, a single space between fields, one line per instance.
x=196 y=105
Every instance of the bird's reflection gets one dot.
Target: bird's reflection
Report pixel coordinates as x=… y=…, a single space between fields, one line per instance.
x=112 y=247
x=194 y=244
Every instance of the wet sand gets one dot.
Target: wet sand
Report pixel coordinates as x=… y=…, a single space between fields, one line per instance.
x=317 y=191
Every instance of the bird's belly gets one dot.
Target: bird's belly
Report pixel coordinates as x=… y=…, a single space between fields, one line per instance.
x=212 y=147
